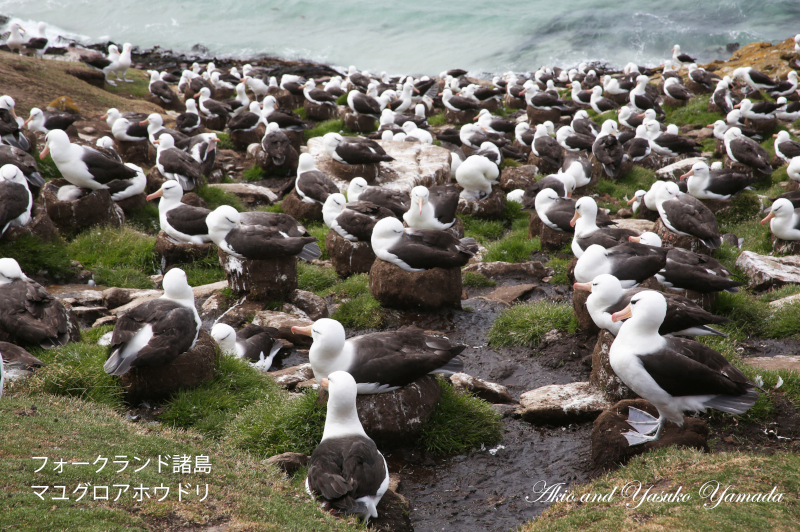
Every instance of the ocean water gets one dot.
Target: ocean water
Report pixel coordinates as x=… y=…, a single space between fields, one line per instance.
x=425 y=36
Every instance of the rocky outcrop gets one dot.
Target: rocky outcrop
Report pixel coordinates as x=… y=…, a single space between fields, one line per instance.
x=488 y=391
x=310 y=304
x=610 y=448
x=284 y=323
x=251 y=195
x=764 y=272
x=426 y=290
x=414 y=164
x=187 y=371
x=518 y=177
x=505 y=270
x=170 y=253
x=291 y=377
x=603 y=375
x=348 y=257
x=40 y=226
x=261 y=280
x=559 y=404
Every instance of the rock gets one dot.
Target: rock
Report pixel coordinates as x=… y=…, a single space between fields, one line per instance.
x=534 y=226
x=537 y=116
x=105 y=320
x=635 y=225
x=284 y=323
x=132 y=204
x=87 y=316
x=310 y=303
x=393 y=513
x=140 y=153
x=262 y=280
x=553 y=240
x=509 y=294
x=559 y=404
x=491 y=207
x=348 y=257
x=764 y=272
x=778 y=303
x=251 y=195
x=136 y=297
x=610 y=448
x=764 y=126
x=360 y=123
x=170 y=253
x=670 y=239
x=289 y=463
x=426 y=290
x=502 y=270
x=488 y=391
x=300 y=210
x=242 y=139
x=775 y=363
x=585 y=321
x=414 y=164
x=116 y=297
x=395 y=419
x=785 y=247
x=95 y=208
x=514 y=177
x=187 y=371
x=40 y=226
x=675 y=170
x=602 y=375
x=460 y=117
x=291 y=377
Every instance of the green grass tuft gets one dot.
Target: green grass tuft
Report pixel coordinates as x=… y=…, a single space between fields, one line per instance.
x=319 y=230
x=745 y=207
x=525 y=325
x=437 y=120
x=342 y=100
x=48 y=168
x=480 y=229
x=335 y=125
x=459 y=423
x=509 y=163
x=275 y=207
x=204 y=271
x=39 y=257
x=477 y=280
x=118 y=257
x=639 y=178
x=145 y=219
x=747 y=313
x=254 y=173
x=695 y=112
x=315 y=279
x=785 y=321
x=279 y=423
x=215 y=197
x=225 y=142
x=301 y=112
x=559 y=270
x=211 y=407
x=358 y=308
x=515 y=247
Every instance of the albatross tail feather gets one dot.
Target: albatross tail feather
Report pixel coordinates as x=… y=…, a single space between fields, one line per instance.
x=733 y=404
x=456 y=365
x=310 y=252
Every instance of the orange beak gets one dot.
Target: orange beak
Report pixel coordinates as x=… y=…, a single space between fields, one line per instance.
x=690 y=173
x=144 y=122
x=574 y=219
x=420 y=206
x=522 y=92
x=640 y=115
x=324 y=382
x=711 y=126
x=582 y=286
x=474 y=119
x=28 y=121
x=769 y=217
x=156 y=141
x=157 y=194
x=738 y=105
x=44 y=152
x=636 y=239
x=306 y=331
x=623 y=314
x=416 y=90
x=103 y=117
x=775 y=136
x=630 y=201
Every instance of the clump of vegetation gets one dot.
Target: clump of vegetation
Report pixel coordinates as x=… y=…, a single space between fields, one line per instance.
x=639 y=178
x=509 y=163
x=559 y=270
x=335 y=125
x=39 y=257
x=204 y=271
x=460 y=422
x=515 y=247
x=342 y=100
x=48 y=168
x=319 y=231
x=437 y=120
x=747 y=313
x=694 y=112
x=117 y=256
x=76 y=370
x=481 y=229
x=211 y=407
x=745 y=207
x=145 y=219
x=279 y=423
x=275 y=207
x=315 y=278
x=358 y=308
x=785 y=321
x=225 y=142
x=215 y=197
x=254 y=173
x=525 y=325
x=301 y=112
x=477 y=280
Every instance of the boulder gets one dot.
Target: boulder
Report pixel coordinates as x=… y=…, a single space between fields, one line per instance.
x=553 y=240
x=425 y=290
x=291 y=377
x=602 y=375
x=40 y=226
x=505 y=270
x=518 y=177
x=635 y=225
x=251 y=195
x=132 y=204
x=764 y=126
x=284 y=323
x=170 y=253
x=348 y=257
x=289 y=463
x=360 y=123
x=87 y=316
x=670 y=239
x=140 y=153
x=188 y=370
x=320 y=113
x=674 y=171
x=310 y=303
x=262 y=280
x=488 y=391
x=491 y=207
x=765 y=272
x=537 y=116
x=190 y=198
x=300 y=210
x=785 y=247
x=395 y=419
x=95 y=208
x=414 y=164
x=460 y=117
x=585 y=321
x=610 y=448
x=561 y=404
x=242 y=139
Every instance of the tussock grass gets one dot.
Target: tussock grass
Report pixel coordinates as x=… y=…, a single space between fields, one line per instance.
x=437 y=120
x=279 y=423
x=477 y=280
x=275 y=207
x=342 y=100
x=559 y=270
x=785 y=321
x=694 y=112
x=215 y=197
x=212 y=406
x=745 y=208
x=254 y=173
x=48 y=168
x=459 y=423
x=145 y=219
x=639 y=178
x=335 y=125
x=301 y=112
x=319 y=230
x=225 y=142
x=35 y=255
x=525 y=325
x=358 y=309
x=75 y=370
x=746 y=312
x=315 y=278
x=780 y=293
x=515 y=247
x=509 y=163
x=204 y=271
x=482 y=230
x=118 y=257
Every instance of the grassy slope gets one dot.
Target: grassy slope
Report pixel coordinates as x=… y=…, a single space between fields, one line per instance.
x=243 y=492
